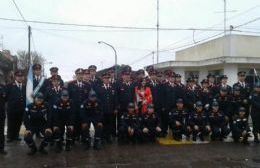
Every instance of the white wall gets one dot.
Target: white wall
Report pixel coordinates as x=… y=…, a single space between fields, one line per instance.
x=231 y=71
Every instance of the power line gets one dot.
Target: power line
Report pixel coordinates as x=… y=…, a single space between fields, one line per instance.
x=81 y=40
x=230 y=18
x=20 y=12
x=140 y=59
x=109 y=26
x=246 y=23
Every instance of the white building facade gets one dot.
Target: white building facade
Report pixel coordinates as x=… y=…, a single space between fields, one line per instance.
x=225 y=55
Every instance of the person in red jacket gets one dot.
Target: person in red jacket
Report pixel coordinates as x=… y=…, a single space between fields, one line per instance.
x=143 y=96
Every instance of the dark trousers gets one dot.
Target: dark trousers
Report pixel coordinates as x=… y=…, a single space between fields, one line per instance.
x=256 y=121
x=219 y=132
x=178 y=131
x=164 y=121
x=77 y=125
x=2 y=136
x=109 y=125
x=14 y=122
x=29 y=138
x=85 y=131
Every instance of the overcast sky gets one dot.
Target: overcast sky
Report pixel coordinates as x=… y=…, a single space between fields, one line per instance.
x=78 y=47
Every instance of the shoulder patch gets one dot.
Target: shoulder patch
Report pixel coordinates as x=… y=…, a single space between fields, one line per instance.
x=82 y=106
x=55 y=107
x=26 y=109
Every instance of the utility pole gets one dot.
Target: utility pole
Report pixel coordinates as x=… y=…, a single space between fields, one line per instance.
x=29 y=45
x=158 y=26
x=225 y=17
x=153 y=57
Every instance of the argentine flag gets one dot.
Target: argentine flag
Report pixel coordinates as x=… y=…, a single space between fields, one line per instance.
x=29 y=87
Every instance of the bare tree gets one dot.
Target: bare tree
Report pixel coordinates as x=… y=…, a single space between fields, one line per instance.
x=23 y=59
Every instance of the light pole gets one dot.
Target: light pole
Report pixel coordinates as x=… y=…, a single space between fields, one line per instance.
x=102 y=42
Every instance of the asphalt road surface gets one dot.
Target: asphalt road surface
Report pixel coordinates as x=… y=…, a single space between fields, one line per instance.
x=212 y=155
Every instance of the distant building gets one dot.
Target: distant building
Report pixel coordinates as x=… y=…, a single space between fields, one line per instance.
x=7 y=66
x=225 y=55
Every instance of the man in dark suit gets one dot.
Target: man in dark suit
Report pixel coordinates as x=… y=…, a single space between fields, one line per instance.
x=107 y=95
x=37 y=77
x=125 y=92
x=78 y=91
x=16 y=99
x=54 y=73
x=245 y=89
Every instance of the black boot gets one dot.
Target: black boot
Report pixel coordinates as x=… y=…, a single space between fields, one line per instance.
x=3 y=152
x=68 y=145
x=33 y=150
x=58 y=147
x=42 y=150
x=201 y=137
x=97 y=144
x=87 y=144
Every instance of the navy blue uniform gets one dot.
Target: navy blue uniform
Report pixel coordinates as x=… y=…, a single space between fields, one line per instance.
x=245 y=91
x=218 y=125
x=225 y=105
x=255 y=112
x=240 y=126
x=150 y=121
x=16 y=99
x=78 y=92
x=52 y=95
x=63 y=117
x=37 y=118
x=191 y=97
x=134 y=122
x=199 y=120
x=107 y=97
x=91 y=112
x=125 y=95
x=181 y=116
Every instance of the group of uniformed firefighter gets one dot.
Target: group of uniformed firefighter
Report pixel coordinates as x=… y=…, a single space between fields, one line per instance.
x=134 y=107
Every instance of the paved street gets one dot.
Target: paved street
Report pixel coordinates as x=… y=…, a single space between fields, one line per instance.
x=211 y=155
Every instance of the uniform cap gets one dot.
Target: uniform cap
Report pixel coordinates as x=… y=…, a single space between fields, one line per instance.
x=37 y=67
x=199 y=104
x=64 y=93
x=140 y=72
x=223 y=77
x=92 y=93
x=131 y=105
x=179 y=100
x=18 y=73
x=39 y=95
x=242 y=109
x=79 y=71
x=241 y=73
x=92 y=67
x=54 y=69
